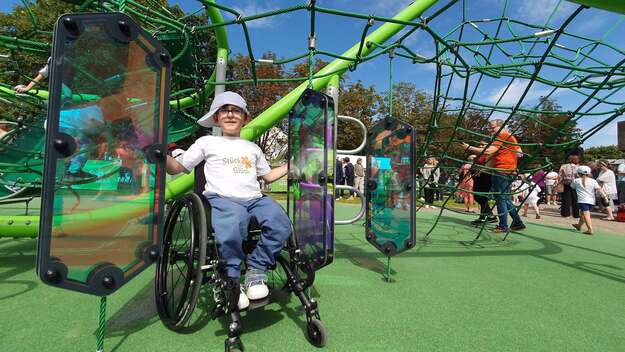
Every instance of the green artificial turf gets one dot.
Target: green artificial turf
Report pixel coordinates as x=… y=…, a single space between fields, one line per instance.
x=546 y=289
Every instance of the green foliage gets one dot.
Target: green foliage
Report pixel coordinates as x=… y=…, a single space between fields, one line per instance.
x=603 y=152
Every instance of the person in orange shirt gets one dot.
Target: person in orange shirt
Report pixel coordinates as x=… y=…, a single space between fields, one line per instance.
x=502 y=154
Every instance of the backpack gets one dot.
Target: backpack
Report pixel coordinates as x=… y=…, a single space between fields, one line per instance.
x=620 y=214
x=569 y=172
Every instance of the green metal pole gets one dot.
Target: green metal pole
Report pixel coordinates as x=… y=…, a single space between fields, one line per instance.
x=277 y=111
x=610 y=5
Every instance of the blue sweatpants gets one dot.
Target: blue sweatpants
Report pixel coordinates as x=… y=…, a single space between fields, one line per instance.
x=230 y=219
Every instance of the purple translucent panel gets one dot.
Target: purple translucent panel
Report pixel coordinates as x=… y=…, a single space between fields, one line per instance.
x=310 y=204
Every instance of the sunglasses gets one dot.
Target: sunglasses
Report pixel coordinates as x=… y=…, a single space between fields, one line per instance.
x=234 y=110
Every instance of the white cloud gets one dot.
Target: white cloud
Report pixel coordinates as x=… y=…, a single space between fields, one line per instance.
x=514 y=92
x=253 y=8
x=605 y=136
x=538 y=11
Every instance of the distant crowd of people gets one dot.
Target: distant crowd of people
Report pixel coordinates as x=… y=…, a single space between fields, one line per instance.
x=491 y=173
x=348 y=174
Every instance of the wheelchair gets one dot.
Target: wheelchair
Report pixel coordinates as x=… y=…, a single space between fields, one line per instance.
x=190 y=261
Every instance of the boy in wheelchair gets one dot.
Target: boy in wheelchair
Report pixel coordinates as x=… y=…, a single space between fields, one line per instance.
x=232 y=168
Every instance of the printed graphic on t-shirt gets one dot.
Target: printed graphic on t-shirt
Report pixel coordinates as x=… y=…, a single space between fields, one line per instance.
x=241 y=165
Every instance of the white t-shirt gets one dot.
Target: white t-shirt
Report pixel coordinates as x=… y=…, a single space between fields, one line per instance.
x=551 y=178
x=585 y=194
x=232 y=166
x=608 y=182
x=530 y=197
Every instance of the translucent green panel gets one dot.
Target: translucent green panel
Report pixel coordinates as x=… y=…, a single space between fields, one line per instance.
x=104 y=167
x=390 y=192
x=310 y=202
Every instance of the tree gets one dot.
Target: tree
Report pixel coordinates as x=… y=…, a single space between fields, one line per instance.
x=603 y=152
x=360 y=102
x=550 y=126
x=262 y=96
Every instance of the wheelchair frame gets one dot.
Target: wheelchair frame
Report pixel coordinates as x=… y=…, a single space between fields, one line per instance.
x=202 y=265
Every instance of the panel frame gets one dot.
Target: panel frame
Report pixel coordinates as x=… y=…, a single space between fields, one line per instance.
x=329 y=138
x=388 y=248
x=104 y=278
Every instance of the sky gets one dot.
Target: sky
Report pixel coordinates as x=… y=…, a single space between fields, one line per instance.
x=286 y=35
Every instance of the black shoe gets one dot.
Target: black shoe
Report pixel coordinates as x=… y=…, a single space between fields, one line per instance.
x=478 y=221
x=517 y=227
x=491 y=219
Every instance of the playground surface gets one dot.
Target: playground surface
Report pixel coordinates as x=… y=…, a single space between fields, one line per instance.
x=545 y=289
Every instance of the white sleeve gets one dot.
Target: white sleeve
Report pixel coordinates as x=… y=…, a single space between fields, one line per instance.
x=193 y=156
x=262 y=166
x=44 y=71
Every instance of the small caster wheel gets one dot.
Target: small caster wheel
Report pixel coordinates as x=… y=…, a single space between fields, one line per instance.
x=234 y=345
x=316 y=333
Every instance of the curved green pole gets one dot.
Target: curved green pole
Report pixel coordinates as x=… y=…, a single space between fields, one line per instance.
x=183 y=103
x=27 y=226
x=610 y=5
x=277 y=111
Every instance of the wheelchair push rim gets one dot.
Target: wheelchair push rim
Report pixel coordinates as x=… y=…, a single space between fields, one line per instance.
x=179 y=274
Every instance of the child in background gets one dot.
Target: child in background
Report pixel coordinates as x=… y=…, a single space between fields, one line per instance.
x=465 y=187
x=586 y=187
x=531 y=192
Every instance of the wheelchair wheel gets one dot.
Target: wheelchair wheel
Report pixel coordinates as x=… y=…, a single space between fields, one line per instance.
x=316 y=333
x=178 y=273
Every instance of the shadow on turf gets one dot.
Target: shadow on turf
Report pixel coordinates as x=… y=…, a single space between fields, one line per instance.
x=359 y=250
x=16 y=257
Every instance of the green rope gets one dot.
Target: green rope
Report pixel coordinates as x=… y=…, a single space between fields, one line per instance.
x=311 y=68
x=391 y=54
x=101 y=324
x=122 y=5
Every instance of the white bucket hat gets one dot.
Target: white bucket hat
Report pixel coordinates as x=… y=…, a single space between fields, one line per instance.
x=221 y=99
x=584 y=170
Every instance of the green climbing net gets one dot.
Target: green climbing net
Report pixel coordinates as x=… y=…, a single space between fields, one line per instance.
x=467 y=53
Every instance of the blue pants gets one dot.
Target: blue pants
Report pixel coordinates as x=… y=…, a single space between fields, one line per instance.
x=230 y=219
x=501 y=187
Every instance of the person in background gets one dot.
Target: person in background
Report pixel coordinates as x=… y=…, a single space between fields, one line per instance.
x=339 y=176
x=539 y=179
x=481 y=186
x=594 y=169
x=566 y=175
x=586 y=188
x=349 y=175
x=431 y=176
x=41 y=75
x=359 y=172
x=551 y=181
x=530 y=191
x=3 y=131
x=607 y=181
x=443 y=178
x=503 y=153
x=620 y=183
x=465 y=187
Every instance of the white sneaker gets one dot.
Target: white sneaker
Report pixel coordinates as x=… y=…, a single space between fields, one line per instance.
x=427 y=206
x=433 y=206
x=244 y=302
x=256 y=284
